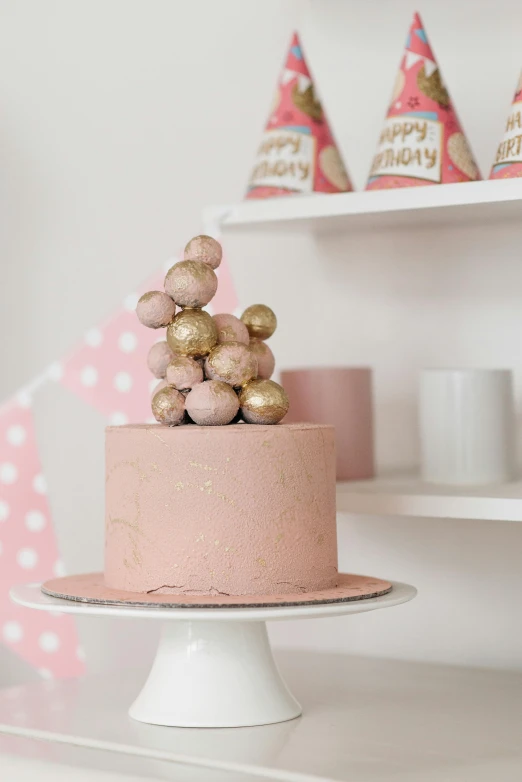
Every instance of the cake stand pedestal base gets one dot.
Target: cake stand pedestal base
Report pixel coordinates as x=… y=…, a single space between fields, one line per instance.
x=214 y=666
x=209 y=674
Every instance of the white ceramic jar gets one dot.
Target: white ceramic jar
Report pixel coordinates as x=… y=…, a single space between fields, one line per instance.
x=467 y=426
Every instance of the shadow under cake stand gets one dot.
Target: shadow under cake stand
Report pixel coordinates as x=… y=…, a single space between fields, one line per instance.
x=214 y=665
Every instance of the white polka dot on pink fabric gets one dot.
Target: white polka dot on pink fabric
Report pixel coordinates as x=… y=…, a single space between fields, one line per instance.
x=49 y=642
x=93 y=338
x=27 y=558
x=123 y=382
x=40 y=484
x=127 y=342
x=89 y=376
x=45 y=673
x=12 y=632
x=35 y=520
x=16 y=435
x=130 y=302
x=24 y=398
x=4 y=510
x=118 y=419
x=8 y=473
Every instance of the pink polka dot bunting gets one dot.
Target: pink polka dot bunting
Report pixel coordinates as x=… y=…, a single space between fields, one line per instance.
x=108 y=370
x=28 y=550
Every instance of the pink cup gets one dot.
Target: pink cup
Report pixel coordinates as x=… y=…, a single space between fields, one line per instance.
x=341 y=397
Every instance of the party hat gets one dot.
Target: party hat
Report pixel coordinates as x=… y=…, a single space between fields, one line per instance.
x=422 y=141
x=508 y=160
x=297 y=153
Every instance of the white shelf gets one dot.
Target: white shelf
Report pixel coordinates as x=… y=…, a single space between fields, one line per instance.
x=365 y=720
x=495 y=200
x=406 y=495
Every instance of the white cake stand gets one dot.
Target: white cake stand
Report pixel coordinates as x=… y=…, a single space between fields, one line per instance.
x=214 y=666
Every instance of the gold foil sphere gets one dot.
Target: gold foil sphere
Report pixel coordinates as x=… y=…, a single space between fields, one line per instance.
x=263 y=402
x=260 y=321
x=192 y=333
x=168 y=406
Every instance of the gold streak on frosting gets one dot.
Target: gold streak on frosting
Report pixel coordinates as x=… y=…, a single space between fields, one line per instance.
x=206 y=467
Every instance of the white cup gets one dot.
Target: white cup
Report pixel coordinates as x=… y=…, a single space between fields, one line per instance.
x=467 y=426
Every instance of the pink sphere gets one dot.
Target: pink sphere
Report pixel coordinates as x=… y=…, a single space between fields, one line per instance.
x=231 y=362
x=191 y=283
x=212 y=403
x=206 y=249
x=159 y=385
x=265 y=359
x=155 y=309
x=168 y=406
x=183 y=372
x=231 y=329
x=160 y=356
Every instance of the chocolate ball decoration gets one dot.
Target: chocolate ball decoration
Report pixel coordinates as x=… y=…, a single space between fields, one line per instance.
x=260 y=321
x=155 y=309
x=231 y=362
x=168 y=406
x=184 y=372
x=265 y=359
x=206 y=249
x=263 y=402
x=231 y=329
x=192 y=333
x=212 y=403
x=159 y=357
x=191 y=283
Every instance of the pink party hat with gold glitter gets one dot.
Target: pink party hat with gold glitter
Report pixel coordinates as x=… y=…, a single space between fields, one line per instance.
x=298 y=153
x=422 y=141
x=508 y=160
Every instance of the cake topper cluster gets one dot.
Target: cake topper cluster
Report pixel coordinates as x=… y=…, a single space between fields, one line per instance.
x=212 y=370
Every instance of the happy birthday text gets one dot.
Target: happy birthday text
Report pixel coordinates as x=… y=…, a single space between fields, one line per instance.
x=510 y=148
x=285 y=159
x=409 y=147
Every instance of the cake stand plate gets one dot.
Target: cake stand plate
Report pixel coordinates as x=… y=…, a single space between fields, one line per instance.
x=91 y=588
x=214 y=666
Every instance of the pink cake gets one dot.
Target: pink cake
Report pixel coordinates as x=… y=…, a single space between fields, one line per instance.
x=233 y=510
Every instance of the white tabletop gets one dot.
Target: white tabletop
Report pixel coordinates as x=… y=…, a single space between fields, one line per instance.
x=364 y=721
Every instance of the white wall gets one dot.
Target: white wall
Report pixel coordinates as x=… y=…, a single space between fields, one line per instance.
x=122 y=119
